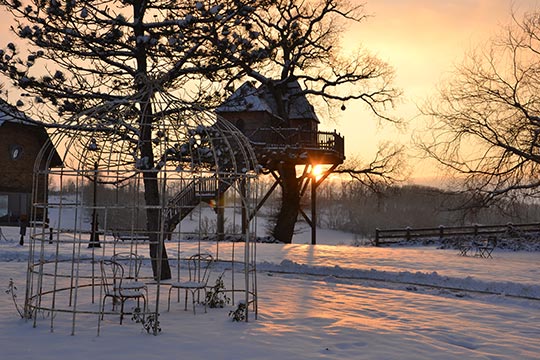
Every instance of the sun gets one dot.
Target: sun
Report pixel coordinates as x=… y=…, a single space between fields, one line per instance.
x=317 y=171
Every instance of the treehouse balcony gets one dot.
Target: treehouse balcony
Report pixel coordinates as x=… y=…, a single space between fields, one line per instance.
x=297 y=146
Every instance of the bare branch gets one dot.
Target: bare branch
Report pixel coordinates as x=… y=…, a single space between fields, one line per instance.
x=387 y=168
x=485 y=122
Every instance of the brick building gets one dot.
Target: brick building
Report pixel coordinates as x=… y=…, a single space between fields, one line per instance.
x=21 y=140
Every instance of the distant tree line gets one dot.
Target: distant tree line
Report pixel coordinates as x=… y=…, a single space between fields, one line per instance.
x=352 y=206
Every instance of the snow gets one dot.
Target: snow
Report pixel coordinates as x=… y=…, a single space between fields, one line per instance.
x=249 y=98
x=246 y=98
x=327 y=301
x=10 y=114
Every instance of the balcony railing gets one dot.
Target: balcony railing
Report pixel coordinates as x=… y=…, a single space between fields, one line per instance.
x=316 y=140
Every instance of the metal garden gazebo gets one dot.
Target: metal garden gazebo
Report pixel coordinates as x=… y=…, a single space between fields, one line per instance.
x=144 y=177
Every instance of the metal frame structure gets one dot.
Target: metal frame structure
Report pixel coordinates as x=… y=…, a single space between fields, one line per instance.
x=100 y=207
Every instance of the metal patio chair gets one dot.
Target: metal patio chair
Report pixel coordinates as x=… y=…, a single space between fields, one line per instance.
x=112 y=278
x=199 y=268
x=485 y=249
x=132 y=264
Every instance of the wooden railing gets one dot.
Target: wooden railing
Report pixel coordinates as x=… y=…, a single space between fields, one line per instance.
x=318 y=140
x=388 y=236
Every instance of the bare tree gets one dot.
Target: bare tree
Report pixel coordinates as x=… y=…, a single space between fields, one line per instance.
x=301 y=43
x=486 y=120
x=79 y=55
x=385 y=169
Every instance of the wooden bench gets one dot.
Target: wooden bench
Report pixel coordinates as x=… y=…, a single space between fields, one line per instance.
x=129 y=237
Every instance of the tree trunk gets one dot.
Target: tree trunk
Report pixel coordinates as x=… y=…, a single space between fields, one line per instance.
x=290 y=204
x=290 y=189
x=152 y=201
x=153 y=226
x=151 y=186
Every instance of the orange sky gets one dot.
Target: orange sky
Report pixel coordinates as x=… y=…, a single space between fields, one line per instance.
x=421 y=39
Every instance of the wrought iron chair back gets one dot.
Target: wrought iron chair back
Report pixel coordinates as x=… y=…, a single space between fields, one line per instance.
x=199 y=267
x=131 y=261
x=112 y=276
x=199 y=270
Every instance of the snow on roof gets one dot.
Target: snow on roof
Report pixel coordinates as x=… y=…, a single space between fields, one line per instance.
x=246 y=98
x=298 y=105
x=8 y=113
x=249 y=98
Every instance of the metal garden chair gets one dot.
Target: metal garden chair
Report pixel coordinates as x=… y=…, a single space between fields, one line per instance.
x=132 y=264
x=199 y=268
x=487 y=247
x=112 y=277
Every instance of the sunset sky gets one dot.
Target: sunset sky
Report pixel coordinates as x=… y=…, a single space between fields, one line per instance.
x=421 y=39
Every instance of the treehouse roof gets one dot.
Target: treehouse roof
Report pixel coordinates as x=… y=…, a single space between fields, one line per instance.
x=248 y=98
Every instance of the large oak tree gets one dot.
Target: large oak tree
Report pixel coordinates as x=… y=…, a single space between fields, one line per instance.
x=77 y=55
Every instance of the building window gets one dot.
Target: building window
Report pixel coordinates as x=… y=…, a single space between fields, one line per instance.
x=15 y=151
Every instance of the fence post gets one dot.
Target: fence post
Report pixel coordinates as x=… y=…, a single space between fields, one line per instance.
x=475 y=229
x=376 y=236
x=408 y=234
x=441 y=232
x=510 y=228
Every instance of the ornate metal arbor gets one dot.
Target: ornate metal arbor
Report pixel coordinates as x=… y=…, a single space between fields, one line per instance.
x=133 y=171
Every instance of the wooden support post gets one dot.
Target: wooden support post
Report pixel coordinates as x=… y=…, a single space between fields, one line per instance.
x=313 y=211
x=304 y=215
x=220 y=221
x=303 y=181
x=314 y=185
x=266 y=196
x=377 y=237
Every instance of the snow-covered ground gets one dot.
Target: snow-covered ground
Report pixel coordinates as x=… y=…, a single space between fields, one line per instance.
x=319 y=302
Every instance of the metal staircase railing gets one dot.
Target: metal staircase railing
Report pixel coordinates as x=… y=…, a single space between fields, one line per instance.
x=203 y=189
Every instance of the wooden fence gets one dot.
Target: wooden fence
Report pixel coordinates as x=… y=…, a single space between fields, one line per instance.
x=388 y=236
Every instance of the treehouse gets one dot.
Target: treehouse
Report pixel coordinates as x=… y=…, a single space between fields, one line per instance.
x=292 y=137
x=21 y=140
x=282 y=127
